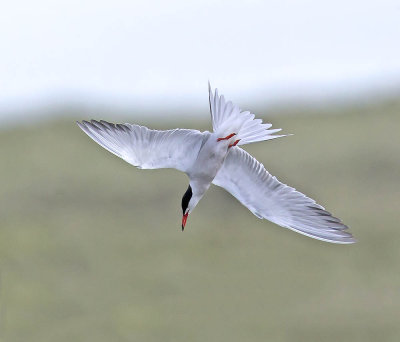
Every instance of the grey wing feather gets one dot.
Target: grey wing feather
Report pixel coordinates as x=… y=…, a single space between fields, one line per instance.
x=144 y=147
x=247 y=179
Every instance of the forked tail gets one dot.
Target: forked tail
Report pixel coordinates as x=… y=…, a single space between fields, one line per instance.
x=227 y=118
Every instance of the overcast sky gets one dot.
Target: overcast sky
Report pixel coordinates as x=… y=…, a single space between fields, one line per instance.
x=152 y=54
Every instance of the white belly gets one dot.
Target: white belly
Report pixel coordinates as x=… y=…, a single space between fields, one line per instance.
x=209 y=160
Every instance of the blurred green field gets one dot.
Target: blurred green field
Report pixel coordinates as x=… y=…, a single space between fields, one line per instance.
x=91 y=248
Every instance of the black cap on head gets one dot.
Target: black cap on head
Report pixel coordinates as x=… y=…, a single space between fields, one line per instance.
x=186 y=199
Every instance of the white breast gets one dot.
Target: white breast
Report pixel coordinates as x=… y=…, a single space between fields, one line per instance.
x=209 y=160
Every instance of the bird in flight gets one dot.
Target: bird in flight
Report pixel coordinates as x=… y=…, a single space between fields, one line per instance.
x=216 y=158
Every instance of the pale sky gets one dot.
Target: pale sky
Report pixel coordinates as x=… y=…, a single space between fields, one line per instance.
x=156 y=54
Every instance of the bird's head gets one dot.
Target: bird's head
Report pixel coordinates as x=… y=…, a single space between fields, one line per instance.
x=189 y=201
x=186 y=207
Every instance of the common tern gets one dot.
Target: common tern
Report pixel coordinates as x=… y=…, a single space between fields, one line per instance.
x=216 y=158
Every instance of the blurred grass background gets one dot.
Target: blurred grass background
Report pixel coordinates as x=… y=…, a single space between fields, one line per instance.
x=91 y=248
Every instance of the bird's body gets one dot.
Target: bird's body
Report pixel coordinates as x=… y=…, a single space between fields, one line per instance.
x=213 y=157
x=208 y=162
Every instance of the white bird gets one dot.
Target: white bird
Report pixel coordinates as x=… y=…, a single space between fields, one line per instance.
x=216 y=158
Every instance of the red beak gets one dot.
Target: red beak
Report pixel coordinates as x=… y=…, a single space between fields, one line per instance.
x=184 y=218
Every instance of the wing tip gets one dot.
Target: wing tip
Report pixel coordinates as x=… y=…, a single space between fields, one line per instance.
x=346 y=239
x=84 y=126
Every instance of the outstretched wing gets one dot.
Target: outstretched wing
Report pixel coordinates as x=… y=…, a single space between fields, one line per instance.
x=247 y=179
x=144 y=147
